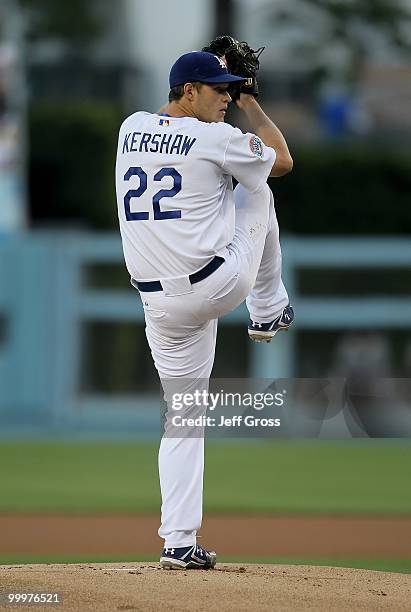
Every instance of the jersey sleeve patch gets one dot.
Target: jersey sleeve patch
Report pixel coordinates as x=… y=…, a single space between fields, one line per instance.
x=256 y=146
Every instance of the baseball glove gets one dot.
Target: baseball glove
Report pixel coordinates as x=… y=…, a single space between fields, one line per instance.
x=241 y=60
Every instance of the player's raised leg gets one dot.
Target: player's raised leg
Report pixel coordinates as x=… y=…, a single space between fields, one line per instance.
x=253 y=258
x=256 y=253
x=268 y=302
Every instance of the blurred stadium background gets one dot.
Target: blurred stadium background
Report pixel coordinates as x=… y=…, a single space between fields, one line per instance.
x=74 y=364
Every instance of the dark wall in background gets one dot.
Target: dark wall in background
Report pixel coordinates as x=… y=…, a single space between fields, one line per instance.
x=71 y=164
x=345 y=189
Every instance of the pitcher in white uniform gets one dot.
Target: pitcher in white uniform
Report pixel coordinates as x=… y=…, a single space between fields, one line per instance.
x=195 y=249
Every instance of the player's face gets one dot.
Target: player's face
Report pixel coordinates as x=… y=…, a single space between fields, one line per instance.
x=211 y=101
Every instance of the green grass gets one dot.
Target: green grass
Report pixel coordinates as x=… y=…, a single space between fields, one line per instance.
x=369 y=477
x=383 y=565
x=78 y=478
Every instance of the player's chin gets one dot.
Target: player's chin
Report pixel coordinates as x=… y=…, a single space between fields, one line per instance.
x=221 y=116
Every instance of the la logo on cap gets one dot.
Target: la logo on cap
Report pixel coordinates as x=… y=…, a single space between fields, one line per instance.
x=221 y=62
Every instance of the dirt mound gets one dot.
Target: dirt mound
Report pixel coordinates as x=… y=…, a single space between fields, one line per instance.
x=101 y=536
x=145 y=587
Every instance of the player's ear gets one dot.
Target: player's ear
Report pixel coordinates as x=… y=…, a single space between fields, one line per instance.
x=189 y=90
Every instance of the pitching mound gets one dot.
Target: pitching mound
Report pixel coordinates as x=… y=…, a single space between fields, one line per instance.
x=145 y=587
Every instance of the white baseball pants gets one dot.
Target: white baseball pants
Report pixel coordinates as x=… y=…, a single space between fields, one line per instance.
x=181 y=329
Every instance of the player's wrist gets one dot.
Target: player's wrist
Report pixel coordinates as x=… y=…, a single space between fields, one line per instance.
x=246 y=101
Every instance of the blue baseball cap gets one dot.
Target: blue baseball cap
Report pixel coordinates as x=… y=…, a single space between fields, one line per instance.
x=200 y=66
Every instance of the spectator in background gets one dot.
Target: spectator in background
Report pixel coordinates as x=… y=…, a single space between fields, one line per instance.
x=363 y=357
x=340 y=114
x=364 y=360
x=7 y=70
x=406 y=386
x=11 y=202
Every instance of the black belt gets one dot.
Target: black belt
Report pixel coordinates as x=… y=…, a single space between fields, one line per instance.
x=194 y=278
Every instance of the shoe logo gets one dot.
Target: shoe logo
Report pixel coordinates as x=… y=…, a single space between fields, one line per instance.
x=169 y=551
x=255 y=324
x=199 y=551
x=286 y=317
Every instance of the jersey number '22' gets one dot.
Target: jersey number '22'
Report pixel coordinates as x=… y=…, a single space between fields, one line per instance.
x=163 y=193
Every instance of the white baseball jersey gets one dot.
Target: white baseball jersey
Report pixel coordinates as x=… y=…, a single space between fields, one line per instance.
x=174 y=190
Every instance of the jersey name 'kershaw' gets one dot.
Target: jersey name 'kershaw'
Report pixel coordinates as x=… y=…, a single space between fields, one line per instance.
x=175 y=193
x=159 y=143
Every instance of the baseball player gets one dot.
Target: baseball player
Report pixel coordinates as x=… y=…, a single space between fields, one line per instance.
x=195 y=249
